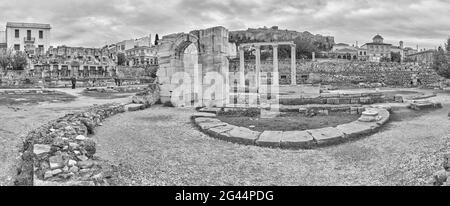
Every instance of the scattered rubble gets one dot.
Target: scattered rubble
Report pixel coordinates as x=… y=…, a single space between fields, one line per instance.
x=61 y=153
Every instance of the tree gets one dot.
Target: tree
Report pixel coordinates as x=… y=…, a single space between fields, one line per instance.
x=121 y=59
x=441 y=63
x=447 y=45
x=304 y=47
x=5 y=60
x=156 y=39
x=396 y=57
x=19 y=61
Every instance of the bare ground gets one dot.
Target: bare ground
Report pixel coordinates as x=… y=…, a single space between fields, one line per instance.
x=159 y=146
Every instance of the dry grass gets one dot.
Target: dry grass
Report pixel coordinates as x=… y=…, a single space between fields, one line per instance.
x=290 y=121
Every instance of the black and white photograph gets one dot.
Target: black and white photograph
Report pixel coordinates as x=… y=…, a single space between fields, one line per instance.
x=224 y=93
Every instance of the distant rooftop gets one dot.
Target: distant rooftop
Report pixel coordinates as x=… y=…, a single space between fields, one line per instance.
x=27 y=25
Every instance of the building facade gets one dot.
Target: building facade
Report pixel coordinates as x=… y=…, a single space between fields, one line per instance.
x=3 y=40
x=425 y=56
x=141 y=55
x=31 y=38
x=377 y=49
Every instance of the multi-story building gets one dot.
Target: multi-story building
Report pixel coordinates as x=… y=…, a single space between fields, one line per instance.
x=345 y=51
x=31 y=38
x=141 y=55
x=131 y=43
x=377 y=50
x=3 y=40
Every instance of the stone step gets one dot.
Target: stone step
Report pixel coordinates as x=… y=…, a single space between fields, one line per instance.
x=421 y=105
x=134 y=107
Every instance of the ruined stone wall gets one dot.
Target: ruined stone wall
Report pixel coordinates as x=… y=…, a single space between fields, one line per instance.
x=352 y=73
x=60 y=153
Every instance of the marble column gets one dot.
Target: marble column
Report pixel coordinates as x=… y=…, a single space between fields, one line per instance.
x=241 y=70
x=293 y=66
x=275 y=72
x=258 y=66
x=275 y=87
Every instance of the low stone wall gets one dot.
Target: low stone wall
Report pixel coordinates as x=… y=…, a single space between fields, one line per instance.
x=349 y=73
x=323 y=109
x=306 y=139
x=337 y=99
x=118 y=89
x=60 y=153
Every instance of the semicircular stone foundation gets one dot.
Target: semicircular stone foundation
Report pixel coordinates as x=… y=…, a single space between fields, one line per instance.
x=369 y=123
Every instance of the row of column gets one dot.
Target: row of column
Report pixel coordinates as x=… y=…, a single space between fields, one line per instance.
x=70 y=71
x=275 y=65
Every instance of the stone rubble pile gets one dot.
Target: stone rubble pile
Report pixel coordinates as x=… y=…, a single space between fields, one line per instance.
x=61 y=153
x=442 y=177
x=148 y=97
x=121 y=89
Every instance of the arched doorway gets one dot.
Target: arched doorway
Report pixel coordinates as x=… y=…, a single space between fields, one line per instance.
x=179 y=71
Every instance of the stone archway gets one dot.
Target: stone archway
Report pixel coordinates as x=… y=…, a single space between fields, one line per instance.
x=200 y=56
x=178 y=55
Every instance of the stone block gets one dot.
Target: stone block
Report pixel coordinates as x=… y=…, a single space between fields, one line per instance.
x=203 y=114
x=365 y=100
x=56 y=162
x=204 y=119
x=294 y=139
x=269 y=139
x=383 y=116
x=354 y=101
x=333 y=101
x=208 y=125
x=41 y=149
x=243 y=135
x=134 y=107
x=344 y=101
x=326 y=135
x=355 y=129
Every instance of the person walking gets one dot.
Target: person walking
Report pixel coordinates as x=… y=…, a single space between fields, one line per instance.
x=74 y=82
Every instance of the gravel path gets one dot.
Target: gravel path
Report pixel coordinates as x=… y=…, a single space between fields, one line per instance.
x=159 y=146
x=17 y=120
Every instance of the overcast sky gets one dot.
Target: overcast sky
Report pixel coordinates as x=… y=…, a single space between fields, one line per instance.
x=92 y=23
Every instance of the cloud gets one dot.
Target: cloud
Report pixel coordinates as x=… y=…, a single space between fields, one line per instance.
x=93 y=23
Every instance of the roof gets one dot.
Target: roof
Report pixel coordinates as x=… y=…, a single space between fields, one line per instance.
x=422 y=52
x=374 y=43
x=341 y=44
x=345 y=50
x=378 y=37
x=27 y=25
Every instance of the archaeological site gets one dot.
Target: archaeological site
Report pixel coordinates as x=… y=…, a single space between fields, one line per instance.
x=200 y=104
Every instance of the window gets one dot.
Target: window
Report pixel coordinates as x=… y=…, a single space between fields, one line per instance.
x=17 y=47
x=16 y=33
x=41 y=34
x=41 y=46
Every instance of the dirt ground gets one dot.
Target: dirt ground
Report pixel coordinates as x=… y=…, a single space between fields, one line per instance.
x=160 y=146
